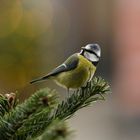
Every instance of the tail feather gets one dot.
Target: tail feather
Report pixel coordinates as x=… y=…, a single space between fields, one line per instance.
x=36 y=80
x=39 y=80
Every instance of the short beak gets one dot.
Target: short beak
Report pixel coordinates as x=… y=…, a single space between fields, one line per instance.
x=83 y=48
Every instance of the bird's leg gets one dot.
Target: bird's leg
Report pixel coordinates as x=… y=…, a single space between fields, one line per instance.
x=68 y=92
x=78 y=90
x=87 y=85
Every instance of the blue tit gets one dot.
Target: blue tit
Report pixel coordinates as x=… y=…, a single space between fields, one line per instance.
x=77 y=70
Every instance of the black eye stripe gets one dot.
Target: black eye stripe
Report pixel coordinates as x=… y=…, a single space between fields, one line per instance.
x=92 y=52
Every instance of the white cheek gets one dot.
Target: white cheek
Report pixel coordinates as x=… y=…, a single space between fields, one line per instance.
x=91 y=57
x=99 y=53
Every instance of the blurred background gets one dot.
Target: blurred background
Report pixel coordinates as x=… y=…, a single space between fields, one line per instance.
x=38 y=35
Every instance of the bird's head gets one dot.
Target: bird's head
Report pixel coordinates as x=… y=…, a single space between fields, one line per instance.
x=92 y=52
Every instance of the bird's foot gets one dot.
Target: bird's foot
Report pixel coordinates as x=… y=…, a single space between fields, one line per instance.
x=87 y=85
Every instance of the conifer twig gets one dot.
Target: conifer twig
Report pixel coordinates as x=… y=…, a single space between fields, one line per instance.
x=37 y=124
x=7 y=102
x=13 y=120
x=57 y=131
x=41 y=113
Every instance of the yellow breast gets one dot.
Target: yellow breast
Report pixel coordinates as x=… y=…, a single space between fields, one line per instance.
x=77 y=77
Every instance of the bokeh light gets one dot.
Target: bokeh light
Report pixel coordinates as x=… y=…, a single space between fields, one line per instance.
x=10 y=16
x=37 y=18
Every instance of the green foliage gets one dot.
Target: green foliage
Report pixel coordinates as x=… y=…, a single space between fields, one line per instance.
x=43 y=116
x=58 y=130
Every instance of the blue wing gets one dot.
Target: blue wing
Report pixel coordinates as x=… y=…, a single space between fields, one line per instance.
x=70 y=64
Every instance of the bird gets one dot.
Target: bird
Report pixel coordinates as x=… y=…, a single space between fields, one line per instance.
x=77 y=70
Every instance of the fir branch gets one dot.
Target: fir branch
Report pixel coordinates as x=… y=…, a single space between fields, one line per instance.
x=7 y=102
x=38 y=123
x=4 y=105
x=12 y=121
x=82 y=98
x=57 y=131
